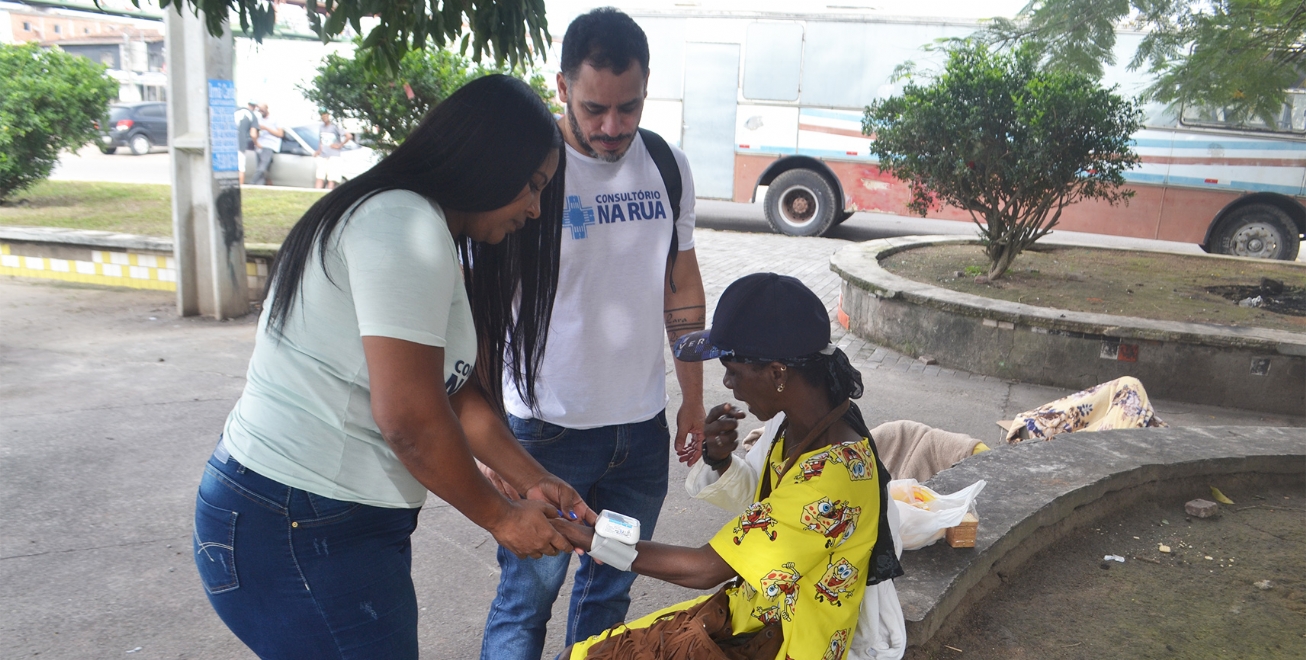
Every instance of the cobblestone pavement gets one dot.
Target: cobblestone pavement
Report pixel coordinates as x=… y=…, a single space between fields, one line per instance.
x=726 y=256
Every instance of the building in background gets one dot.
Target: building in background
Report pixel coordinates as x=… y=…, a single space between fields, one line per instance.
x=129 y=41
x=126 y=40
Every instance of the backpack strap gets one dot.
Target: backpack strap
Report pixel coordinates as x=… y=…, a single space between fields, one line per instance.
x=660 y=152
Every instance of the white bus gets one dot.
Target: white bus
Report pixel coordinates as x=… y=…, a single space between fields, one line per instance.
x=775 y=100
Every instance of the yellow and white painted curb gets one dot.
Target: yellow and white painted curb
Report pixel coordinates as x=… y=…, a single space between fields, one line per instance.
x=124 y=267
x=105 y=267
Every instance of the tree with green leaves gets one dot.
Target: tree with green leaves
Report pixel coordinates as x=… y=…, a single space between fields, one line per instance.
x=510 y=31
x=390 y=104
x=49 y=102
x=1236 y=55
x=1008 y=140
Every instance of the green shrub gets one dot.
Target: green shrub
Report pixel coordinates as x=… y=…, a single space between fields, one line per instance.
x=49 y=101
x=1008 y=140
x=390 y=105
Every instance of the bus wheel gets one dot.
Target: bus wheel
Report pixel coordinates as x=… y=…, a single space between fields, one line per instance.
x=800 y=203
x=1263 y=231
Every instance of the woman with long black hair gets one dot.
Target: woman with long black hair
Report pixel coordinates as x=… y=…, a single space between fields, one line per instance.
x=393 y=306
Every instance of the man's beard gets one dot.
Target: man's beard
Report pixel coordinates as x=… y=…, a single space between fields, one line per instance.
x=589 y=149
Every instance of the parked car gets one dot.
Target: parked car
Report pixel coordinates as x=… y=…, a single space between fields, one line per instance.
x=294 y=165
x=137 y=126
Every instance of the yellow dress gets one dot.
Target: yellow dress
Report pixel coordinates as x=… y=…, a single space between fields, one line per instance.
x=803 y=553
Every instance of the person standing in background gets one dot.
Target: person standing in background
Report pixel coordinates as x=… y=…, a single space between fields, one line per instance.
x=246 y=119
x=329 y=141
x=268 y=143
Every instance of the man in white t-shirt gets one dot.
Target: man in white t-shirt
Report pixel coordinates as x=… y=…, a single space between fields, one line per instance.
x=268 y=143
x=330 y=139
x=623 y=290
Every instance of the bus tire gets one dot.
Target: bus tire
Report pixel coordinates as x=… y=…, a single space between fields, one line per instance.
x=1262 y=231
x=800 y=203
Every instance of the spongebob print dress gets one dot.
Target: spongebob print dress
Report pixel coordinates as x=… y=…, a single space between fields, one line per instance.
x=802 y=552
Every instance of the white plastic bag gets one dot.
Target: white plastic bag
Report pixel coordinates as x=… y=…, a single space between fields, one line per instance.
x=925 y=514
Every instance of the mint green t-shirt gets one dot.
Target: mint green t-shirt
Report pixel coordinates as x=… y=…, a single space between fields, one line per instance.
x=305 y=417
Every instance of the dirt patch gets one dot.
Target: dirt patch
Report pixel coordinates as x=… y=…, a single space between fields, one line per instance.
x=1271 y=294
x=1201 y=600
x=1167 y=287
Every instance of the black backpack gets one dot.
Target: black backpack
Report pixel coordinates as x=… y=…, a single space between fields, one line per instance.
x=660 y=152
x=247 y=122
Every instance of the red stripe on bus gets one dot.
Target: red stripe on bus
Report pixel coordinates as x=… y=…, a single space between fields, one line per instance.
x=813 y=128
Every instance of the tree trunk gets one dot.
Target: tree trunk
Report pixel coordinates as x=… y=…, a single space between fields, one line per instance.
x=1002 y=261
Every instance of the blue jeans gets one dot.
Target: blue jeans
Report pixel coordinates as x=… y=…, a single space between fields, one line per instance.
x=297 y=575
x=622 y=468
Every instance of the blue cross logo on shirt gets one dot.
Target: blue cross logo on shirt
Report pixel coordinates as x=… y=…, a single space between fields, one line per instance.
x=577 y=217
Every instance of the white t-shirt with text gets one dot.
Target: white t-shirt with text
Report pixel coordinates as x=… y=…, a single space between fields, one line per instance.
x=604 y=363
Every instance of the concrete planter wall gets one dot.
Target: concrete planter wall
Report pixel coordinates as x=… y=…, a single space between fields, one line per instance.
x=109 y=259
x=1250 y=368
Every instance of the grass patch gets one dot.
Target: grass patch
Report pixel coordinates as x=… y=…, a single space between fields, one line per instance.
x=1150 y=285
x=145 y=209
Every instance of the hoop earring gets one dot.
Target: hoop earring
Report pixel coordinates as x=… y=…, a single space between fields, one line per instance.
x=780 y=387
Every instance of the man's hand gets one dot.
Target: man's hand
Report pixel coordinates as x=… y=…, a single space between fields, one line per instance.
x=499 y=483
x=689 y=432
x=563 y=497
x=525 y=530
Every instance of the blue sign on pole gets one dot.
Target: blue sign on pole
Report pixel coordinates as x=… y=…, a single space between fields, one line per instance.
x=222 y=125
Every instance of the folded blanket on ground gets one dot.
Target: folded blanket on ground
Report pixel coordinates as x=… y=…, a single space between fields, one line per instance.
x=911 y=450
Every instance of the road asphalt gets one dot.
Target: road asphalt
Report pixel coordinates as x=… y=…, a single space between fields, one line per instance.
x=111 y=404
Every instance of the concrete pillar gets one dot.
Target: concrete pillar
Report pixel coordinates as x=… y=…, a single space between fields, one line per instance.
x=208 y=235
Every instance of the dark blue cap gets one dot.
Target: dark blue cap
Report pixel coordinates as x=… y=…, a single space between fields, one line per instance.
x=761 y=316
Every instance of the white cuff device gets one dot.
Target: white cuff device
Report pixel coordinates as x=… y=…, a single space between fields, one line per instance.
x=614 y=540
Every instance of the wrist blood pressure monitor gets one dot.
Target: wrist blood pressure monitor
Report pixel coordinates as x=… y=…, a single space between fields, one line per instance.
x=614 y=540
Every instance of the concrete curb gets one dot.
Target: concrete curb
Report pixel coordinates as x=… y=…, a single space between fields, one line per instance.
x=86 y=237
x=859 y=264
x=1199 y=363
x=1038 y=492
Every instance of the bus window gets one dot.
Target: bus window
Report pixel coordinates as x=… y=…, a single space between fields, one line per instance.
x=1292 y=119
x=773 y=61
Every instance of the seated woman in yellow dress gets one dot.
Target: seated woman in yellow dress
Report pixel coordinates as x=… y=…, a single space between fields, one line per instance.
x=800 y=558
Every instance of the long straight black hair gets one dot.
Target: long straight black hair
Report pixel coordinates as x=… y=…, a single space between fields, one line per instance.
x=475 y=151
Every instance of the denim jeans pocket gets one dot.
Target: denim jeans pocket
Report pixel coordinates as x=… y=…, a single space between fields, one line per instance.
x=327 y=510
x=536 y=432
x=215 y=546
x=661 y=420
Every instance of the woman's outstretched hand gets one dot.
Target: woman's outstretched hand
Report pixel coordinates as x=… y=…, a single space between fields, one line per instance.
x=561 y=495
x=579 y=536
x=524 y=530
x=720 y=432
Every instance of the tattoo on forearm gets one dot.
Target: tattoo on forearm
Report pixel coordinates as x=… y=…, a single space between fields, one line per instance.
x=683 y=320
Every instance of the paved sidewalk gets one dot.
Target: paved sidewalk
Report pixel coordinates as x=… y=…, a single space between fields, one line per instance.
x=111 y=404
